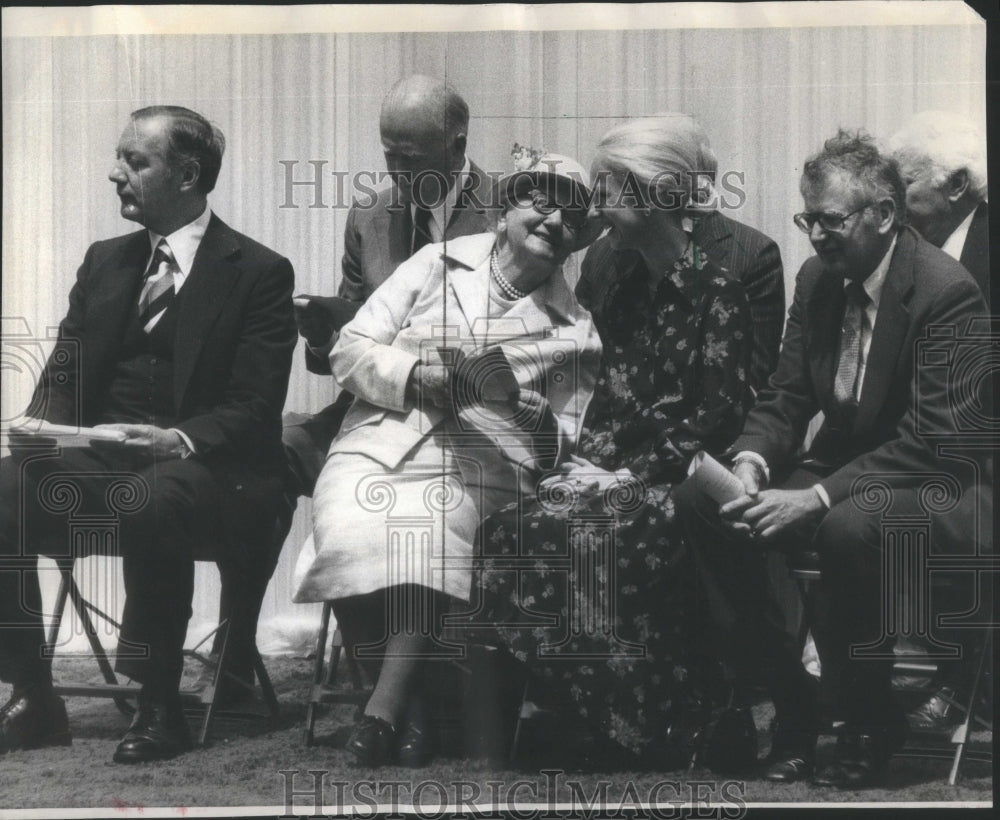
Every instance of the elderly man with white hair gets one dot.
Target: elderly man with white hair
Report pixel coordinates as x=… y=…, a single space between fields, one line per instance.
x=942 y=157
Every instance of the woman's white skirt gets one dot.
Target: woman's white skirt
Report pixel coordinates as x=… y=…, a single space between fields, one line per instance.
x=375 y=529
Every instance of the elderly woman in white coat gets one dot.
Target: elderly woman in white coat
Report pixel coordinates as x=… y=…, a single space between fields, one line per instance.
x=422 y=458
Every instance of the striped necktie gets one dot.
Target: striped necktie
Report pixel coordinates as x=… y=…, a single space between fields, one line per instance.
x=845 y=382
x=158 y=287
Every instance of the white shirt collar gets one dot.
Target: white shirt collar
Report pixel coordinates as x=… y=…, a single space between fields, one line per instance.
x=876 y=279
x=441 y=213
x=184 y=241
x=954 y=244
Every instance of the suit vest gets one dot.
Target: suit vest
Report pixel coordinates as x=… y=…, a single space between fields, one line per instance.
x=142 y=387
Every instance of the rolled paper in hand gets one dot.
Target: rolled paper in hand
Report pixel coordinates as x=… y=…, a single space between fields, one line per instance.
x=714 y=480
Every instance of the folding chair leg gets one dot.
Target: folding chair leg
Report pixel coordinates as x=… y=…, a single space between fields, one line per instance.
x=317 y=683
x=523 y=714
x=270 y=698
x=69 y=589
x=65 y=579
x=961 y=735
x=210 y=707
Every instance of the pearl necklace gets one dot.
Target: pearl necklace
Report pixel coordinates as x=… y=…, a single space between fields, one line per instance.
x=505 y=286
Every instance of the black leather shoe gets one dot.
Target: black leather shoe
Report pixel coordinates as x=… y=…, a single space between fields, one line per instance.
x=862 y=767
x=158 y=732
x=937 y=714
x=788 y=768
x=414 y=749
x=32 y=720
x=687 y=735
x=372 y=742
x=862 y=758
x=792 y=757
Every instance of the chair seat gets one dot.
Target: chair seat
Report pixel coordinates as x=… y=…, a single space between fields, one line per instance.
x=803 y=565
x=237 y=626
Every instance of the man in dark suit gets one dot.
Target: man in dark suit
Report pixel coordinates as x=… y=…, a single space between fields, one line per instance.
x=750 y=257
x=437 y=194
x=860 y=306
x=942 y=157
x=180 y=337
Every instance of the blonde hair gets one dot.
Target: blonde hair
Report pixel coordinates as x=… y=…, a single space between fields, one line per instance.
x=669 y=156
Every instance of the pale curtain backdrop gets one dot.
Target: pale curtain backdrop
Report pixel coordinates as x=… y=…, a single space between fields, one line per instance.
x=767 y=98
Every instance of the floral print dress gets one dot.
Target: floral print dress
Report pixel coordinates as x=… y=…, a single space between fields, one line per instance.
x=588 y=587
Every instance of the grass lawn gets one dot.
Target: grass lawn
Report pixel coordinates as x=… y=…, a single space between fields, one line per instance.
x=243 y=765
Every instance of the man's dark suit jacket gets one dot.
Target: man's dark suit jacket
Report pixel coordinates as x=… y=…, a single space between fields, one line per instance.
x=976 y=250
x=748 y=255
x=377 y=241
x=233 y=354
x=923 y=287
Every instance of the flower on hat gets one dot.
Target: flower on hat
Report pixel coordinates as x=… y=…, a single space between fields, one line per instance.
x=526 y=158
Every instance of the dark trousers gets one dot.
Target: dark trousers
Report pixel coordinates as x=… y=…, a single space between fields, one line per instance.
x=745 y=616
x=738 y=613
x=307 y=440
x=155 y=510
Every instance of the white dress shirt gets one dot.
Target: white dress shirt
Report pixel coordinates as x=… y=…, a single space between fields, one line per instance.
x=873 y=287
x=954 y=244
x=183 y=243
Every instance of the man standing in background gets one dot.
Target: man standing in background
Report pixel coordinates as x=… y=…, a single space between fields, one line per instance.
x=436 y=194
x=942 y=157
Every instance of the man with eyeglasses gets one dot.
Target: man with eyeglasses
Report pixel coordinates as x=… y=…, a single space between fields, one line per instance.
x=861 y=305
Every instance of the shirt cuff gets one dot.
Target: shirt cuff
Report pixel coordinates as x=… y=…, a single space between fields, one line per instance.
x=755 y=458
x=821 y=492
x=187 y=441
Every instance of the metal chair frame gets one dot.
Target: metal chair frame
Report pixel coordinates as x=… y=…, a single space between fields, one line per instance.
x=122 y=693
x=960 y=736
x=324 y=689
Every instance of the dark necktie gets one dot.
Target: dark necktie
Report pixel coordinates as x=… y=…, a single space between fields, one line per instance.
x=421 y=228
x=158 y=287
x=849 y=362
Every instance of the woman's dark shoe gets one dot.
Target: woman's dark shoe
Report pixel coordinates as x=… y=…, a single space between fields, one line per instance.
x=414 y=747
x=732 y=742
x=686 y=735
x=414 y=750
x=373 y=742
